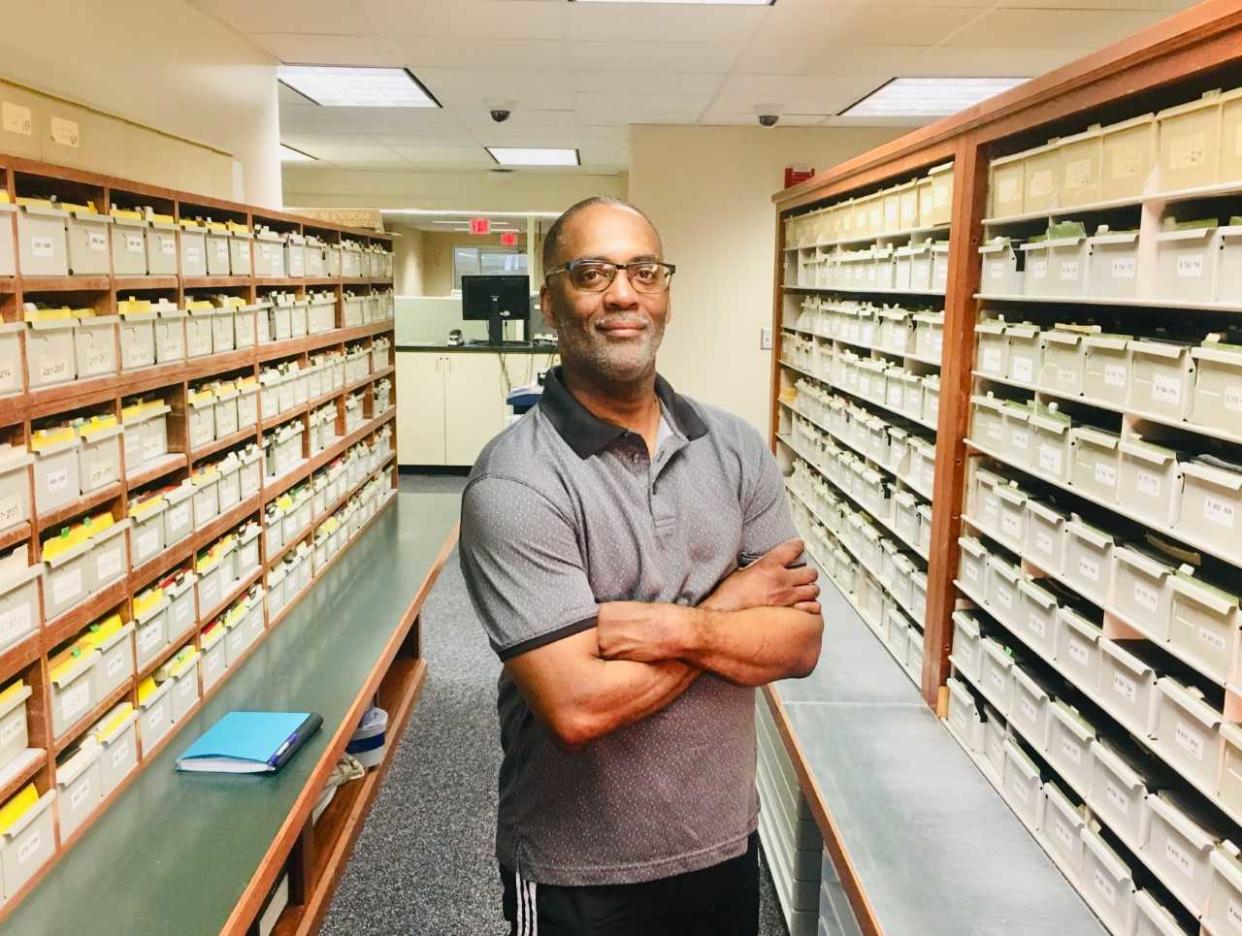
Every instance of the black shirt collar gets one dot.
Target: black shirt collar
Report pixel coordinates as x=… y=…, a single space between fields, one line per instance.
x=588 y=435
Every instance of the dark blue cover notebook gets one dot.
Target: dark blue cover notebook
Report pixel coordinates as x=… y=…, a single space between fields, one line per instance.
x=250 y=742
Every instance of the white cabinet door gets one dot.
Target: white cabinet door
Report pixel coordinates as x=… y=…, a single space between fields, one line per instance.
x=420 y=407
x=474 y=405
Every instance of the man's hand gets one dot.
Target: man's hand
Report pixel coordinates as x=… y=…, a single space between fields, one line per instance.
x=640 y=632
x=769 y=582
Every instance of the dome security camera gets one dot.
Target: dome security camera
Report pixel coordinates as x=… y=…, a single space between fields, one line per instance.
x=500 y=114
x=768 y=120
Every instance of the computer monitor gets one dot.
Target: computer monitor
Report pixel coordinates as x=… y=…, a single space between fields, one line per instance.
x=495 y=300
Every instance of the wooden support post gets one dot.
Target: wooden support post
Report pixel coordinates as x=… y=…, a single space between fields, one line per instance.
x=969 y=199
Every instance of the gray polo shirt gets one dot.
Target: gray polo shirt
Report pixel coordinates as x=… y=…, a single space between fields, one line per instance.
x=562 y=512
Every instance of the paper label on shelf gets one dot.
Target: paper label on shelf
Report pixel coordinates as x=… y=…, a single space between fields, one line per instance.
x=990 y=360
x=1233 y=911
x=10 y=509
x=1105 y=887
x=1008 y=189
x=1146 y=597
x=222 y=250
x=1116 y=797
x=1166 y=390
x=1011 y=525
x=1218 y=511
x=1190 y=266
x=996 y=269
x=1040 y=183
x=14 y=623
x=1124 y=267
x=1050 y=460
x=1147 y=483
x=120 y=754
x=76 y=699
x=183 y=613
x=1043 y=543
x=1088 y=568
x=1069 y=270
x=1037 y=626
x=1023 y=369
x=1105 y=475
x=168 y=245
x=1188 y=740
x=1078 y=653
x=1233 y=397
x=998 y=678
x=133 y=243
x=96 y=240
x=100 y=474
x=152 y=447
x=12 y=727
x=1124 y=686
x=1020 y=439
x=41 y=246
x=108 y=565
x=115 y=664
x=1065 y=835
x=1071 y=750
x=178 y=516
x=1188 y=151
x=81 y=790
x=1115 y=375
x=1004 y=596
x=971 y=571
x=1211 y=638
x=98 y=359
x=1179 y=859
x=1068 y=377
x=9 y=377
x=1079 y=174
x=1127 y=163
x=995 y=430
x=17 y=119
x=148 y=542
x=66 y=586
x=32 y=845
x=1038 y=268
x=1029 y=710
x=150 y=637
x=65 y=132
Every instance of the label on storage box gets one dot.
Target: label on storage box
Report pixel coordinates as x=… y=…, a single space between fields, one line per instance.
x=1124 y=267
x=1008 y=190
x=1211 y=638
x=1188 y=151
x=1178 y=858
x=1105 y=474
x=1068 y=377
x=1167 y=390
x=1078 y=653
x=1029 y=710
x=1190 y=266
x=1020 y=791
x=1188 y=740
x=168 y=245
x=67 y=586
x=1020 y=439
x=1038 y=268
x=98 y=359
x=1005 y=597
x=12 y=728
x=1218 y=511
x=222 y=250
x=1071 y=750
x=76 y=699
x=1116 y=797
x=1115 y=375
x=95 y=240
x=10 y=510
x=120 y=754
x=971 y=571
x=1049 y=460
x=1124 y=686
x=1037 y=626
x=1069 y=270
x=80 y=792
x=1105 y=887
x=183 y=612
x=133 y=243
x=990 y=360
x=1011 y=525
x=1088 y=568
x=1043 y=543
x=1145 y=597
x=152 y=447
x=1147 y=483
x=998 y=679
x=996 y=269
x=108 y=565
x=8 y=376
x=148 y=542
x=191 y=253
x=149 y=638
x=30 y=846
x=1233 y=912
x=1022 y=369
x=115 y=664
x=41 y=246
x=1079 y=174
x=1040 y=183
x=178 y=516
x=1065 y=835
x=17 y=119
x=100 y=474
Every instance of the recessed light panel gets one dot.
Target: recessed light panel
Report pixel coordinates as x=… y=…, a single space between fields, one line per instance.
x=348 y=86
x=289 y=154
x=533 y=156
x=929 y=97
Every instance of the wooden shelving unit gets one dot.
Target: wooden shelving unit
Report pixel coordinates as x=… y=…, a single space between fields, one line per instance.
x=1167 y=65
x=25 y=411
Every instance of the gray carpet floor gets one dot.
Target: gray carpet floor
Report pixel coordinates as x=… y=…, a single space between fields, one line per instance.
x=424 y=864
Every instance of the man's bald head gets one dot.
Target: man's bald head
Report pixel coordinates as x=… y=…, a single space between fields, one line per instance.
x=554 y=240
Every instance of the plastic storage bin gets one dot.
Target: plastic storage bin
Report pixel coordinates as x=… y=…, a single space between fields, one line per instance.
x=1112 y=268
x=1081 y=157
x=1216 y=401
x=1108 y=884
x=240 y=241
x=1128 y=685
x=1088 y=560
x=94 y=344
x=14 y=733
x=87 y=236
x=19 y=597
x=129 y=243
x=42 y=245
x=192 y=239
x=1041 y=175
x=1078 y=647
x=117 y=734
x=1106 y=369
x=1129 y=150
x=162 y=246
x=1148 y=482
x=1187 y=732
x=154 y=715
x=28 y=844
x=1204 y=624
x=1060 y=831
x=1142 y=594
x=99 y=453
x=1006 y=185
x=1179 y=846
x=1211 y=502
x=150 y=625
x=170 y=327
x=1189 y=143
x=1020 y=784
x=1096 y=462
x=1186 y=264
x=1223 y=911
x=50 y=351
x=72 y=691
x=1061 y=367
x=1119 y=785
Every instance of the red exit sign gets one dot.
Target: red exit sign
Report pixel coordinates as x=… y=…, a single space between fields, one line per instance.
x=508 y=239
x=480 y=226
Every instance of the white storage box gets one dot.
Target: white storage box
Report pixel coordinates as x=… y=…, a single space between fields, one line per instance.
x=214 y=660
x=1080 y=157
x=1211 y=502
x=247 y=403
x=117 y=734
x=155 y=716
x=247 y=556
x=1203 y=624
x=1089 y=560
x=269 y=253
x=249 y=476
x=321 y=314
x=1142 y=593
x=150 y=629
x=50 y=355
x=1011 y=515
x=1148 y=481
x=1069 y=744
x=1118 y=789
x=1108 y=884
x=27 y=845
x=1187 y=733
x=42 y=245
x=14 y=735
x=72 y=692
x=1044 y=539
x=108 y=555
x=1179 y=845
x=996 y=674
x=1106 y=369
x=1113 y=265
x=1021 y=785
x=179 y=517
x=1037 y=616
x=99 y=453
x=225 y=407
x=1189 y=143
x=223 y=337
x=87 y=234
x=240 y=241
x=201 y=407
x=1129 y=154
x=1217 y=398
x=1061 y=831
x=129 y=244
x=1186 y=264
x=1061 y=368
x=116 y=661
x=1096 y=462
x=137 y=333
x=181 y=610
x=57 y=478
x=963 y=716
x=185 y=693
x=1029 y=714
x=1003 y=273
x=1041 y=178
x=1128 y=685
x=193 y=249
x=206 y=494
x=68 y=577
x=987 y=421
x=1223 y=912
x=1026 y=350
x=217 y=248
x=1018 y=447
x=170 y=338
x=162 y=247
x=1078 y=652
x=198 y=328
x=14 y=486
x=1051 y=435
x=1230 y=786
x=10 y=350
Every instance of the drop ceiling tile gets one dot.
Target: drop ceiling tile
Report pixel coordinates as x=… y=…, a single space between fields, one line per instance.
x=292 y=16
x=989 y=62
x=353 y=152
x=724 y=118
x=1053 y=29
x=469 y=19
x=862 y=22
x=614 y=82
x=674 y=22
x=472 y=156
x=454 y=52
x=654 y=56
x=328 y=50
x=329 y=120
x=810 y=56
x=499 y=82
x=799 y=95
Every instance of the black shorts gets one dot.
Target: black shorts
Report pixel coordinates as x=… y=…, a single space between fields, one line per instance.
x=722 y=900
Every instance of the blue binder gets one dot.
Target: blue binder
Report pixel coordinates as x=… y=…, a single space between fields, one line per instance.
x=250 y=742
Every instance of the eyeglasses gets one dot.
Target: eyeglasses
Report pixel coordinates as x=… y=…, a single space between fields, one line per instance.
x=646 y=276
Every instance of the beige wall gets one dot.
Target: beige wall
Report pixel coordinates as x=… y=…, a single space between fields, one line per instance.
x=407 y=248
x=451 y=191
x=161 y=64
x=437 y=258
x=708 y=190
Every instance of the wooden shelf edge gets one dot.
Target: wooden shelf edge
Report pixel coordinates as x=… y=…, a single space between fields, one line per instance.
x=84 y=504
x=66 y=740
x=59 y=629
x=24 y=776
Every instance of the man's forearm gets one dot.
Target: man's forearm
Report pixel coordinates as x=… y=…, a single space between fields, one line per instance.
x=749 y=647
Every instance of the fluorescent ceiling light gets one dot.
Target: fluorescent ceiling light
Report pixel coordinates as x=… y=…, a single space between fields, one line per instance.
x=533 y=156
x=289 y=154
x=348 y=86
x=928 y=97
